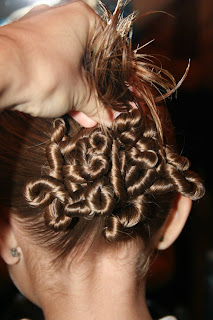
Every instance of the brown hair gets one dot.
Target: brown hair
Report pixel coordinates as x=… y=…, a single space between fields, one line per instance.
x=120 y=184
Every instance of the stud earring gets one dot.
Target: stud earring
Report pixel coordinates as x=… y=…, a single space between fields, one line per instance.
x=14 y=252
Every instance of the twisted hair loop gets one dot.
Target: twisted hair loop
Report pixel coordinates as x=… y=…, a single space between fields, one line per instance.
x=105 y=176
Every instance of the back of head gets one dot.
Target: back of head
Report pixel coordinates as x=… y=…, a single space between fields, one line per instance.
x=66 y=184
x=74 y=183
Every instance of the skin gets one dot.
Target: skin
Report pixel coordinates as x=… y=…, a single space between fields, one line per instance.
x=97 y=282
x=46 y=58
x=88 y=288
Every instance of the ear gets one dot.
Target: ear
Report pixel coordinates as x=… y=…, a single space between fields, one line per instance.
x=175 y=222
x=8 y=240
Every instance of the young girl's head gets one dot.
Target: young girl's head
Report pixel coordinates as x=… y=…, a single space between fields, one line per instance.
x=69 y=192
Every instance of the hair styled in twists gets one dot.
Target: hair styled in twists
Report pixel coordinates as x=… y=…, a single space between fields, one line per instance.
x=125 y=177
x=66 y=183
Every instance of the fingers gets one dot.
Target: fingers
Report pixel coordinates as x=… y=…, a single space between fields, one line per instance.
x=83 y=119
x=88 y=122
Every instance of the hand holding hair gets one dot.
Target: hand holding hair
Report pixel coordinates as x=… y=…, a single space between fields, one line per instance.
x=41 y=62
x=60 y=59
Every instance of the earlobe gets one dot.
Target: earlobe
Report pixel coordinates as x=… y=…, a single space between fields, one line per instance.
x=13 y=256
x=10 y=252
x=175 y=222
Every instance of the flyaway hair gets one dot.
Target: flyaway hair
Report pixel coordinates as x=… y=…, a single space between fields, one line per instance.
x=121 y=75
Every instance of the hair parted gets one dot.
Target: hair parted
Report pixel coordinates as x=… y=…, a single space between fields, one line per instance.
x=65 y=182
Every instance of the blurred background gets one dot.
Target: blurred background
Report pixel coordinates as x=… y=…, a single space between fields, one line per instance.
x=181 y=278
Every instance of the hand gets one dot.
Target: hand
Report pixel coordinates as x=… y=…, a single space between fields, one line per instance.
x=47 y=46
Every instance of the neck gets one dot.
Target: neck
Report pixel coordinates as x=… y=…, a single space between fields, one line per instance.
x=102 y=288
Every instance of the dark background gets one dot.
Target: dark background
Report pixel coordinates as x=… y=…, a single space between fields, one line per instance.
x=181 y=279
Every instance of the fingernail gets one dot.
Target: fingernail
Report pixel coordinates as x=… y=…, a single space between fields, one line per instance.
x=116 y=114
